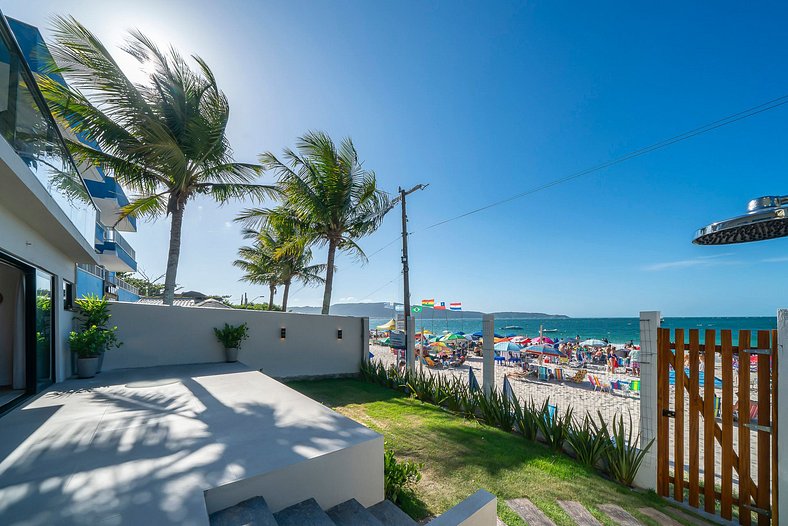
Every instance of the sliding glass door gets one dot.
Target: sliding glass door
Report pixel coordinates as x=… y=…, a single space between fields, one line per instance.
x=43 y=323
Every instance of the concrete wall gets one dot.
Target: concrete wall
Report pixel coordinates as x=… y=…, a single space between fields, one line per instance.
x=480 y=509
x=161 y=335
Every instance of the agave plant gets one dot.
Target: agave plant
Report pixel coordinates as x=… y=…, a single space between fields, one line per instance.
x=553 y=426
x=622 y=455
x=588 y=440
x=496 y=409
x=526 y=417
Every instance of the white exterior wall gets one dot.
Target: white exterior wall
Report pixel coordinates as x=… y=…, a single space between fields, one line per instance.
x=162 y=335
x=20 y=241
x=480 y=509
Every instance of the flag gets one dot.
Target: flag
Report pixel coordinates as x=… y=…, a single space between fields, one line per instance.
x=442 y=306
x=455 y=306
x=428 y=304
x=415 y=309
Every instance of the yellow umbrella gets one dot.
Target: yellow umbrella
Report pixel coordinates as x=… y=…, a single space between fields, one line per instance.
x=386 y=326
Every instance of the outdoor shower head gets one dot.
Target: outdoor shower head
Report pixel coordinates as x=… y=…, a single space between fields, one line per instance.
x=766 y=218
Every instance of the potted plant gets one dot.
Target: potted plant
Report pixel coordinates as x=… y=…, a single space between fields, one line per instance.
x=89 y=344
x=94 y=316
x=231 y=336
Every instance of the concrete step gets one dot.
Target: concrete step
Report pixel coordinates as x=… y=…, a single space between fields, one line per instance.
x=578 y=513
x=352 y=513
x=532 y=515
x=390 y=515
x=251 y=512
x=305 y=513
x=618 y=515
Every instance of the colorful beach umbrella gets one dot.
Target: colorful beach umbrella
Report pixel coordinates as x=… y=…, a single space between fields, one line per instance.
x=506 y=346
x=593 y=342
x=542 y=339
x=543 y=349
x=451 y=337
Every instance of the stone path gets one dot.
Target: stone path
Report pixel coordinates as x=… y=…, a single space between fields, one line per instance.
x=533 y=516
x=578 y=513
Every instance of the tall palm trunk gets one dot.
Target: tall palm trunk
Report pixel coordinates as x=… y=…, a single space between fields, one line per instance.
x=332 y=251
x=271 y=292
x=284 y=296
x=174 y=254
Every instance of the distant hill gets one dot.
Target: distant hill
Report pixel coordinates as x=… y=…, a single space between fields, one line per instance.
x=385 y=310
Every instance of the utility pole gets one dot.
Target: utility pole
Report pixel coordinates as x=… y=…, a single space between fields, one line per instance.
x=402 y=194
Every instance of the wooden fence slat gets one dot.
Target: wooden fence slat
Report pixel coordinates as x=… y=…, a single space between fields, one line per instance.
x=663 y=444
x=678 y=423
x=694 y=424
x=744 y=432
x=708 y=421
x=726 y=446
x=764 y=419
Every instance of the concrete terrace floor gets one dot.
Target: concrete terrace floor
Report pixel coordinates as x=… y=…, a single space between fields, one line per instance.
x=140 y=446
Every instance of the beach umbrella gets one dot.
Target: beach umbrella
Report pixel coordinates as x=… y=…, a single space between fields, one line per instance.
x=439 y=344
x=542 y=339
x=451 y=337
x=386 y=326
x=506 y=346
x=593 y=343
x=543 y=349
x=480 y=334
x=622 y=352
x=386 y=341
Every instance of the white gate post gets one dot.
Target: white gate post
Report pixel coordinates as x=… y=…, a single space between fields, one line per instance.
x=410 y=337
x=364 y=340
x=782 y=415
x=488 y=353
x=649 y=323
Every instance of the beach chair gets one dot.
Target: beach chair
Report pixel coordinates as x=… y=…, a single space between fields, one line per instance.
x=499 y=359
x=544 y=374
x=753 y=412
x=514 y=359
x=634 y=387
x=559 y=374
x=717 y=407
x=579 y=376
x=429 y=362
x=551 y=409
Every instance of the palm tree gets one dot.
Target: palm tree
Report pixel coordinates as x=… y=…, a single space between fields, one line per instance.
x=327 y=194
x=164 y=139
x=258 y=266
x=281 y=255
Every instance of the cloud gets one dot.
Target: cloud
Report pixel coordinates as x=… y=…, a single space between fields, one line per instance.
x=699 y=261
x=780 y=259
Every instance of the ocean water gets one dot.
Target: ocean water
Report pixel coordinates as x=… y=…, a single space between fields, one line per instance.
x=615 y=330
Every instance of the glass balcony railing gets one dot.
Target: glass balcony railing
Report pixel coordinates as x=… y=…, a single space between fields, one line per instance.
x=30 y=129
x=113 y=236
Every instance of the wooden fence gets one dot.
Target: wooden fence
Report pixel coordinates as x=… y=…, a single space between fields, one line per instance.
x=705 y=435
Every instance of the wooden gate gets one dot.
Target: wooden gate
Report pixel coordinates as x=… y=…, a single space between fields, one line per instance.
x=713 y=452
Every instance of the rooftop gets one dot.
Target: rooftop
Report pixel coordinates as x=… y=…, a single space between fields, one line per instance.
x=139 y=446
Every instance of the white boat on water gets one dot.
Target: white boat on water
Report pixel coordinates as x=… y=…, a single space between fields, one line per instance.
x=549 y=330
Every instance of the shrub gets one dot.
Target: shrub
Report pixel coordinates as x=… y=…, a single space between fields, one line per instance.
x=553 y=426
x=399 y=476
x=95 y=336
x=622 y=455
x=231 y=336
x=588 y=440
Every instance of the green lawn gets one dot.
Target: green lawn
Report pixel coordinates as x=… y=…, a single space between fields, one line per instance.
x=461 y=456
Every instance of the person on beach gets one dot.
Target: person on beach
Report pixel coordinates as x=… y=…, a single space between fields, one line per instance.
x=634 y=361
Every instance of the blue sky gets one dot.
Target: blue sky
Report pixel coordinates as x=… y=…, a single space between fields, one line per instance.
x=485 y=100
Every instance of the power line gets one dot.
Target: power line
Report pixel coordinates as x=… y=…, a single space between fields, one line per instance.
x=730 y=119
x=380 y=288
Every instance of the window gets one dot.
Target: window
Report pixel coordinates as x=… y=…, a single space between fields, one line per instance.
x=68 y=295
